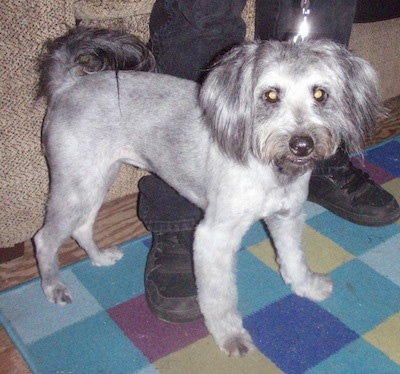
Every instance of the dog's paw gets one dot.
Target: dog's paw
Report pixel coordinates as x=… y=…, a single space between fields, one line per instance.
x=239 y=345
x=317 y=287
x=58 y=294
x=107 y=256
x=229 y=334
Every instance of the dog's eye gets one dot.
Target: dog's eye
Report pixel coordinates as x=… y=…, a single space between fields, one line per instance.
x=272 y=96
x=319 y=94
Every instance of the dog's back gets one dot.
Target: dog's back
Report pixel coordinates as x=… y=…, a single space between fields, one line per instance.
x=107 y=99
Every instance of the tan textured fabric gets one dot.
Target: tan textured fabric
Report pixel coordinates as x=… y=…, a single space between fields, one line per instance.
x=379 y=43
x=128 y=15
x=137 y=25
x=248 y=16
x=24 y=27
x=98 y=9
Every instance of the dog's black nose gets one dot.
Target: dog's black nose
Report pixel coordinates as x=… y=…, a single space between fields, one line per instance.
x=301 y=146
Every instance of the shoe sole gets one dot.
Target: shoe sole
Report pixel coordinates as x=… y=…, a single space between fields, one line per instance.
x=173 y=316
x=358 y=219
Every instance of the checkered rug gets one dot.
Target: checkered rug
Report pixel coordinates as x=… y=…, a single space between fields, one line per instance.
x=109 y=329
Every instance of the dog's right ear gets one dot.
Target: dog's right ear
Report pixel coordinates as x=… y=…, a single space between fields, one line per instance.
x=227 y=98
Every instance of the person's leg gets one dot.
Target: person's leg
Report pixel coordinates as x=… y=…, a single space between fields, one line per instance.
x=335 y=184
x=170 y=286
x=186 y=35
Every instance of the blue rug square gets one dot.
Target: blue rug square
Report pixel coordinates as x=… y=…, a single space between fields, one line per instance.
x=387 y=156
x=297 y=334
x=258 y=284
x=34 y=318
x=385 y=259
x=96 y=345
x=362 y=298
x=312 y=210
x=357 y=357
x=353 y=238
x=124 y=280
x=255 y=235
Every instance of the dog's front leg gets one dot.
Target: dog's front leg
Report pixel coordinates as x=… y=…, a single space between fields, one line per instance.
x=287 y=233
x=215 y=248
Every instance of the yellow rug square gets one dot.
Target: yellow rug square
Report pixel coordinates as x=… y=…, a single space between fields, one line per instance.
x=386 y=337
x=394 y=188
x=323 y=255
x=205 y=357
x=266 y=253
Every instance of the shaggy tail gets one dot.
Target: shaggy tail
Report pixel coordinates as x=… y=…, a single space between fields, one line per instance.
x=89 y=50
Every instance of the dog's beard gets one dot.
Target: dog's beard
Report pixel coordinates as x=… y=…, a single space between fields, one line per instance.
x=274 y=149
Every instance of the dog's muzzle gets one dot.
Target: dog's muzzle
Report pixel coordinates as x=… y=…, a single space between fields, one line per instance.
x=301 y=146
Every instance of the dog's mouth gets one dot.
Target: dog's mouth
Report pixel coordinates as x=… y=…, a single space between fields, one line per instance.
x=294 y=165
x=301 y=160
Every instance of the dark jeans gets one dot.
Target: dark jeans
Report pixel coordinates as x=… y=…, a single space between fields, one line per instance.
x=186 y=35
x=329 y=19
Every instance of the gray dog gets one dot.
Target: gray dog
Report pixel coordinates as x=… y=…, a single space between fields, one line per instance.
x=241 y=147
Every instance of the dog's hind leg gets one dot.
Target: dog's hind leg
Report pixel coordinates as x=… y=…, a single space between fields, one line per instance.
x=72 y=207
x=287 y=234
x=84 y=233
x=100 y=257
x=47 y=241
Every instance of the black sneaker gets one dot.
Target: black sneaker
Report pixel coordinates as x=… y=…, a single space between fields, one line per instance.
x=351 y=194
x=169 y=278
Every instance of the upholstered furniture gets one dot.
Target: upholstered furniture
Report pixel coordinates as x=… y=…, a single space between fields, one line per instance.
x=25 y=27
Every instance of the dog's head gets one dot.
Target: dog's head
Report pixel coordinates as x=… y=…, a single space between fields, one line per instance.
x=290 y=104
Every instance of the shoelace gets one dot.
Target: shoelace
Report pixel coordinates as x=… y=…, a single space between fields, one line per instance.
x=354 y=178
x=343 y=171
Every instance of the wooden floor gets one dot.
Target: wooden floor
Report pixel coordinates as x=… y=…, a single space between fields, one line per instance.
x=116 y=223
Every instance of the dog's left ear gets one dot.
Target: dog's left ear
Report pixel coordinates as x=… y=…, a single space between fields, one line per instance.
x=227 y=98
x=361 y=100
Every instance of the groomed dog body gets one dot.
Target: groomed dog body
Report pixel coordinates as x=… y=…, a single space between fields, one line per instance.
x=241 y=147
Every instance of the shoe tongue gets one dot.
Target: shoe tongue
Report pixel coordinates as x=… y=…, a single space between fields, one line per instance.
x=340 y=158
x=327 y=166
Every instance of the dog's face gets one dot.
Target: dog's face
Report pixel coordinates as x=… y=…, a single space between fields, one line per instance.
x=290 y=105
